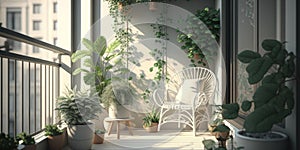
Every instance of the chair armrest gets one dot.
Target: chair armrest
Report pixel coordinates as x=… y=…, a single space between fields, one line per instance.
x=200 y=99
x=161 y=99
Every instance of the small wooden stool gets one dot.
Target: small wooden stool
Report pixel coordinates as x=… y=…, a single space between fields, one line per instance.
x=111 y=122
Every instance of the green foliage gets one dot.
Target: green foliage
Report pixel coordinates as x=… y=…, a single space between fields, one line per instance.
x=211 y=19
x=7 y=142
x=99 y=59
x=53 y=130
x=152 y=117
x=26 y=139
x=221 y=128
x=272 y=100
x=77 y=107
x=100 y=131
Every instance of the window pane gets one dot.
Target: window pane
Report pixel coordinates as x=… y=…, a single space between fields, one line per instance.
x=36 y=8
x=36 y=25
x=55 y=7
x=13 y=18
x=55 y=25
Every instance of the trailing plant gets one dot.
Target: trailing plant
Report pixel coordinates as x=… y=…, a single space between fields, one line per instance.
x=98 y=61
x=100 y=131
x=152 y=117
x=25 y=138
x=77 y=107
x=273 y=100
x=53 y=130
x=211 y=20
x=7 y=142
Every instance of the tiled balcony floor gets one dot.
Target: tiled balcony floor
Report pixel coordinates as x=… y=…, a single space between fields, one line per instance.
x=165 y=140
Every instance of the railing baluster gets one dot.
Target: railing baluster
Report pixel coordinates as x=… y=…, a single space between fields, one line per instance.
x=22 y=96
x=41 y=95
x=1 y=95
x=45 y=121
x=35 y=97
x=15 y=115
x=8 y=98
x=29 y=98
x=49 y=98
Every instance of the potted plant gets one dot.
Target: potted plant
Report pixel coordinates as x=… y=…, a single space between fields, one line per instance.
x=150 y=121
x=77 y=109
x=55 y=137
x=27 y=140
x=7 y=142
x=98 y=136
x=217 y=119
x=272 y=101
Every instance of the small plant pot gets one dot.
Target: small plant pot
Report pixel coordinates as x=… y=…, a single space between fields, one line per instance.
x=222 y=138
x=152 y=128
x=56 y=142
x=98 y=138
x=29 y=147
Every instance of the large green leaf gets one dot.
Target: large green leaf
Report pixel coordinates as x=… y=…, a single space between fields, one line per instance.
x=88 y=44
x=79 y=54
x=247 y=56
x=264 y=93
x=100 y=45
x=246 y=105
x=230 y=111
x=269 y=44
x=79 y=70
x=273 y=78
x=113 y=46
x=258 y=68
x=263 y=118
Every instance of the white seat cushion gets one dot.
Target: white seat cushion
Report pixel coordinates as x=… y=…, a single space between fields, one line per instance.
x=188 y=91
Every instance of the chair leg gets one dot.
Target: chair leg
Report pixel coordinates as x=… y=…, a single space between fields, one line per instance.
x=194 y=123
x=179 y=118
x=160 y=119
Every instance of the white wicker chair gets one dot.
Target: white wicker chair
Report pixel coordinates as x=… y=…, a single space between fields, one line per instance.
x=187 y=94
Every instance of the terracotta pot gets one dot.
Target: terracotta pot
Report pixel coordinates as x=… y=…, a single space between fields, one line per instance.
x=98 y=138
x=222 y=138
x=152 y=128
x=56 y=142
x=29 y=147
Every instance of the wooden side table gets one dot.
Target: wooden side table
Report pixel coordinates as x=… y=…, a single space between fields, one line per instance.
x=111 y=122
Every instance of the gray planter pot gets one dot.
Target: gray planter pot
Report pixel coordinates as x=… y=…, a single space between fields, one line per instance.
x=80 y=137
x=251 y=143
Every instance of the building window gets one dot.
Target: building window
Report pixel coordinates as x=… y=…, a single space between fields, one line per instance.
x=36 y=25
x=13 y=22
x=55 y=25
x=36 y=8
x=55 y=7
x=55 y=41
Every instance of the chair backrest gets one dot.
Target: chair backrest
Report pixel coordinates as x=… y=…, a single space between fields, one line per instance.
x=206 y=77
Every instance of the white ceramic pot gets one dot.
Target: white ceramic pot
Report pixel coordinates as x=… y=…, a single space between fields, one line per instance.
x=80 y=137
x=251 y=143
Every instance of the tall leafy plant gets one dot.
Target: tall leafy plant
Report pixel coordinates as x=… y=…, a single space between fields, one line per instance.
x=98 y=61
x=273 y=100
x=77 y=107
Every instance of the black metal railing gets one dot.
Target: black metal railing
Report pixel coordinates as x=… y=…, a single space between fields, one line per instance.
x=29 y=85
